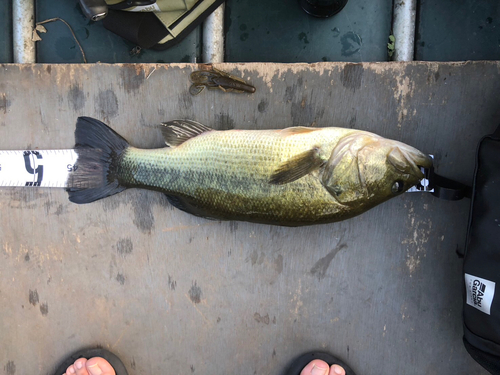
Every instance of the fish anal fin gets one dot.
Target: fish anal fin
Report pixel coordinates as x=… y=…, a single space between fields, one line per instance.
x=185 y=205
x=297 y=167
x=177 y=132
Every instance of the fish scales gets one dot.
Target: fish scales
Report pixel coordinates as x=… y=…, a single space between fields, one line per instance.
x=227 y=172
x=295 y=176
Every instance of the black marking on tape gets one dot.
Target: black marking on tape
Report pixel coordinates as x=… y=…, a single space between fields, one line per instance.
x=31 y=157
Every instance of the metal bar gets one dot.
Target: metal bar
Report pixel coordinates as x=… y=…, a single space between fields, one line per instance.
x=403 y=29
x=23 y=20
x=213 y=37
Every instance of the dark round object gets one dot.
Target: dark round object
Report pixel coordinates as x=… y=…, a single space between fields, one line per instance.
x=322 y=8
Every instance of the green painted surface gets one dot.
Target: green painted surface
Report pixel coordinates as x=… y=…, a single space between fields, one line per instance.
x=280 y=31
x=99 y=44
x=5 y=32
x=451 y=30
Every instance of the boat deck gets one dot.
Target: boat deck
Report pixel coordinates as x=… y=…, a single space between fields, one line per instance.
x=171 y=293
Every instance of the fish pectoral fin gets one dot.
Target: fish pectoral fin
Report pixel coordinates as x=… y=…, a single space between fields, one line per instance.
x=297 y=167
x=177 y=132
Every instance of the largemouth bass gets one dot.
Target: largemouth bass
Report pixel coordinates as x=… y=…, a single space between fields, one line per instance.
x=295 y=176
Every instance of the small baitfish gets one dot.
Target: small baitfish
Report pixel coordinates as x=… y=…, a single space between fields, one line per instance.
x=292 y=177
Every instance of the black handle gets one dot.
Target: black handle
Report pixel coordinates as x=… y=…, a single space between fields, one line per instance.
x=447 y=189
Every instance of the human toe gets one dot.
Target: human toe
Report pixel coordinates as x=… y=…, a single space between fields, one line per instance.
x=70 y=370
x=316 y=367
x=99 y=366
x=337 y=370
x=79 y=366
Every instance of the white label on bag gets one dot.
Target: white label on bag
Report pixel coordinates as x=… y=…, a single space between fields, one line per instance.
x=145 y=8
x=480 y=292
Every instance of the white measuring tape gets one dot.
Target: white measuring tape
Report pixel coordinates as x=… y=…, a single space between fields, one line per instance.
x=44 y=168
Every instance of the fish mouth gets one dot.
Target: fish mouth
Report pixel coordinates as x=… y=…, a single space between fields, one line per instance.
x=411 y=162
x=417 y=161
x=423 y=161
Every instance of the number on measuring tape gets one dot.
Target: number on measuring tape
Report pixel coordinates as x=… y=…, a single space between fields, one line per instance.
x=72 y=167
x=31 y=162
x=37 y=168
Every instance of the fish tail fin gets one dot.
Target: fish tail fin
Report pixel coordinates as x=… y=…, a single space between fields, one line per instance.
x=100 y=150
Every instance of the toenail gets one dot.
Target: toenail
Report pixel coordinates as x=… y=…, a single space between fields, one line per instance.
x=79 y=365
x=72 y=370
x=318 y=370
x=95 y=369
x=337 y=370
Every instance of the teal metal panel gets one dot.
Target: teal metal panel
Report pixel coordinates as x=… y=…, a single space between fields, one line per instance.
x=280 y=31
x=450 y=30
x=6 y=32
x=99 y=44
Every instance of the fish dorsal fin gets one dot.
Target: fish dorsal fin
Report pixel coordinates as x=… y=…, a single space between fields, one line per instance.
x=297 y=130
x=176 y=132
x=297 y=167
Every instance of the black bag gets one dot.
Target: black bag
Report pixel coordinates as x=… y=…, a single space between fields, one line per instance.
x=155 y=24
x=481 y=312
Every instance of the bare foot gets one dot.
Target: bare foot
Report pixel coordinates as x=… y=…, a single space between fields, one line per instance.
x=93 y=366
x=99 y=366
x=319 y=367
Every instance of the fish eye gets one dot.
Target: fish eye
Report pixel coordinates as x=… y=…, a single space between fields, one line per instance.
x=397 y=187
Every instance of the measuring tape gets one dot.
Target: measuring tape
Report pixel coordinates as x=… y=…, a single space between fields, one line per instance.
x=422 y=186
x=43 y=168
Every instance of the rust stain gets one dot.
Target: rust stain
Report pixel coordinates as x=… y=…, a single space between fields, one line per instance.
x=139 y=68
x=403 y=92
x=119 y=338
x=207 y=321
x=415 y=243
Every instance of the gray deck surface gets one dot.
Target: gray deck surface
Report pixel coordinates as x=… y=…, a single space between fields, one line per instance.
x=175 y=294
